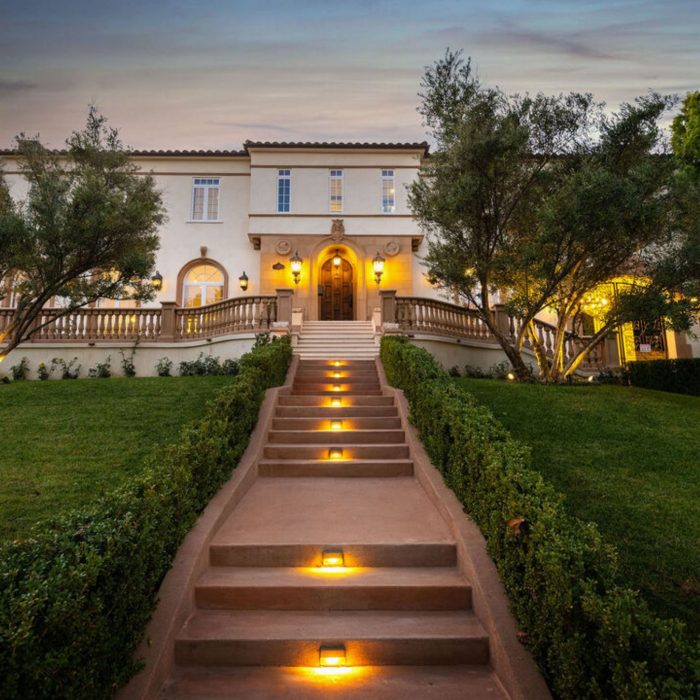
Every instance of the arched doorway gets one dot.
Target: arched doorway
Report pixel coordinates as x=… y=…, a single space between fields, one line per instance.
x=336 y=290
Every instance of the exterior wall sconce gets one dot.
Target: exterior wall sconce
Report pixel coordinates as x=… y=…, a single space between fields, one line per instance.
x=331 y=655
x=278 y=266
x=295 y=262
x=333 y=557
x=243 y=279
x=378 y=266
x=157 y=281
x=336 y=259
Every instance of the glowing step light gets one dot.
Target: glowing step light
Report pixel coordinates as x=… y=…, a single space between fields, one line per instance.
x=335 y=453
x=336 y=402
x=332 y=655
x=336 y=387
x=337 y=363
x=332 y=557
x=336 y=425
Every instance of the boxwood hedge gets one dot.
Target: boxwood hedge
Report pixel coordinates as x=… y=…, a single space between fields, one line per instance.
x=76 y=596
x=678 y=376
x=591 y=636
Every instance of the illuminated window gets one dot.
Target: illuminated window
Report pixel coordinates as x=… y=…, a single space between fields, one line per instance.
x=336 y=190
x=204 y=284
x=388 y=192
x=205 y=199
x=284 y=191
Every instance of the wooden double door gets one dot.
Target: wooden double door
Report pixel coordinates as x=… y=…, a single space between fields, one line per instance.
x=336 y=291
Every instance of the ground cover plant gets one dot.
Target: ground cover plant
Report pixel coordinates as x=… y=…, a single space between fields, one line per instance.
x=67 y=443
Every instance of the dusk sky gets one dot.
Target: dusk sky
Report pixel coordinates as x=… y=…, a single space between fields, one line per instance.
x=185 y=74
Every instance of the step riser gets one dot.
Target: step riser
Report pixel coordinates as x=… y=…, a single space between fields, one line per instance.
x=292 y=652
x=437 y=554
x=355 y=386
x=373 y=423
x=345 y=378
x=335 y=469
x=336 y=437
x=344 y=392
x=287 y=451
x=323 y=363
x=328 y=412
x=319 y=400
x=212 y=597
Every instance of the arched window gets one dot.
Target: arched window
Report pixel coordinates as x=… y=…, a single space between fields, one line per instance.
x=203 y=284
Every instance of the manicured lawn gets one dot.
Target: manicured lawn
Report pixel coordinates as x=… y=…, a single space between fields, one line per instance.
x=66 y=442
x=627 y=459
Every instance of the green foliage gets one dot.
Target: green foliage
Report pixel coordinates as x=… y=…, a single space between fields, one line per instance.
x=128 y=366
x=75 y=597
x=678 y=376
x=164 y=366
x=69 y=370
x=86 y=211
x=685 y=132
x=43 y=371
x=207 y=365
x=592 y=638
x=20 y=371
x=102 y=370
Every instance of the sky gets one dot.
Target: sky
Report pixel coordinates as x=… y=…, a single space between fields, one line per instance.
x=213 y=73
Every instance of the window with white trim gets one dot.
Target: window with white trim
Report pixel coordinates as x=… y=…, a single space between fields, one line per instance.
x=388 y=192
x=284 y=191
x=336 y=190
x=205 y=199
x=203 y=284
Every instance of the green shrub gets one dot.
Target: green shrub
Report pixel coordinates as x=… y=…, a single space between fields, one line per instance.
x=102 y=370
x=592 y=638
x=75 y=598
x=208 y=365
x=677 y=376
x=20 y=371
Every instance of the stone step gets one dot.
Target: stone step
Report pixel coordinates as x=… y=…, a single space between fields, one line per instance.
x=320 y=400
x=363 y=683
x=340 y=375
x=336 y=411
x=264 y=554
x=334 y=415
x=344 y=384
x=337 y=352
x=346 y=390
x=293 y=638
x=313 y=588
x=322 y=452
x=340 y=468
x=368 y=365
x=335 y=437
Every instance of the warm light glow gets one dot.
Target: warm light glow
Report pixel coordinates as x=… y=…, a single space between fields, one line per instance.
x=336 y=425
x=336 y=402
x=337 y=375
x=333 y=570
x=378 y=267
x=330 y=674
x=295 y=263
x=590 y=379
x=333 y=557
x=336 y=259
x=338 y=363
x=510 y=376
x=335 y=453
x=336 y=387
x=331 y=655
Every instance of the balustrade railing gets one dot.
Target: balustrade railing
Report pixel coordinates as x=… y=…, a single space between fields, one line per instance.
x=245 y=314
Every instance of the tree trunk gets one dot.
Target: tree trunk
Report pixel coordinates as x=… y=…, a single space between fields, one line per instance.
x=540 y=354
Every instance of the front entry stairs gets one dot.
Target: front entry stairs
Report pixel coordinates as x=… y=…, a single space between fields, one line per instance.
x=388 y=616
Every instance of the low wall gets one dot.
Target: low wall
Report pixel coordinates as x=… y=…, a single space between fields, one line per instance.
x=145 y=354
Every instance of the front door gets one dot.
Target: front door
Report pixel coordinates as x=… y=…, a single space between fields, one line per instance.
x=336 y=291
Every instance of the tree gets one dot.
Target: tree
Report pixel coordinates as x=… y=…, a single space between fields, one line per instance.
x=685 y=132
x=86 y=230
x=546 y=199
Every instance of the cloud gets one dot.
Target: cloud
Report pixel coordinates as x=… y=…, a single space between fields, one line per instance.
x=9 y=88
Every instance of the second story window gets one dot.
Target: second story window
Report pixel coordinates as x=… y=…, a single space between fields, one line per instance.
x=336 y=190
x=205 y=199
x=388 y=192
x=284 y=191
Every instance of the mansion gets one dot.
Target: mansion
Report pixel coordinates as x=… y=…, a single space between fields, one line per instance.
x=314 y=231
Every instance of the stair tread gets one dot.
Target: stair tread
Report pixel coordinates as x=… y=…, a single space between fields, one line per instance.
x=375 y=682
x=315 y=577
x=331 y=625
x=335 y=511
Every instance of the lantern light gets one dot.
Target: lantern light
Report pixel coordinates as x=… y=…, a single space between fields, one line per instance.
x=331 y=655
x=157 y=281
x=337 y=259
x=295 y=261
x=333 y=557
x=378 y=266
x=510 y=376
x=243 y=279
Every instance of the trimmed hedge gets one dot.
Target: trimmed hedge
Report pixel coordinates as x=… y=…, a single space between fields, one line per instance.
x=677 y=376
x=591 y=637
x=75 y=598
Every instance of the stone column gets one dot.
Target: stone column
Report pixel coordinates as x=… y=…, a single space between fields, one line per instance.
x=284 y=306
x=167 y=321
x=388 y=305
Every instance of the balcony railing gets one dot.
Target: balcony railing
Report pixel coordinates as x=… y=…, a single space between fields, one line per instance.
x=166 y=324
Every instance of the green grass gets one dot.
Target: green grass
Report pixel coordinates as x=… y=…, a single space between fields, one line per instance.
x=627 y=459
x=64 y=443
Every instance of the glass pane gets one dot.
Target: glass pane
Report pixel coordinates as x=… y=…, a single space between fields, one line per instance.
x=204 y=273
x=198 y=204
x=193 y=296
x=213 y=204
x=214 y=294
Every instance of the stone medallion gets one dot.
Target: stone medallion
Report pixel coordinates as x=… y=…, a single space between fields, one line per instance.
x=391 y=248
x=283 y=247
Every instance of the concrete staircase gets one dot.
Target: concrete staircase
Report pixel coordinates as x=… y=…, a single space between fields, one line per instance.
x=336 y=476
x=325 y=340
